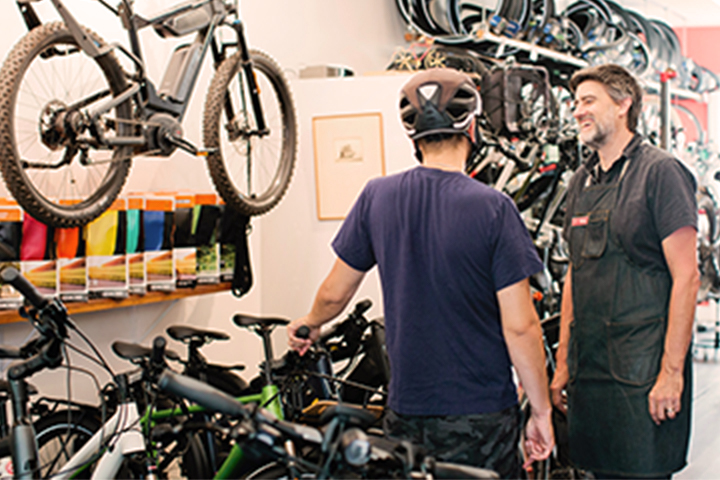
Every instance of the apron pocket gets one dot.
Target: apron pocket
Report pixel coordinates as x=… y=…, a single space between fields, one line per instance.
x=596 y=234
x=635 y=350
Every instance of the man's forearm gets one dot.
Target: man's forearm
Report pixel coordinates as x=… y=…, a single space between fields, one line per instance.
x=528 y=356
x=566 y=318
x=325 y=308
x=334 y=294
x=681 y=316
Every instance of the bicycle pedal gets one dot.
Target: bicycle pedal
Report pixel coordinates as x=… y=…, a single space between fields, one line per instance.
x=188 y=147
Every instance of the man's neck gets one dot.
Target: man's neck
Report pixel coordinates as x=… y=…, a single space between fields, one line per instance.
x=451 y=159
x=613 y=150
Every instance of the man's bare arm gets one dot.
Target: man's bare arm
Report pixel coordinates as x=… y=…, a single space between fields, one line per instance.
x=523 y=336
x=680 y=250
x=331 y=299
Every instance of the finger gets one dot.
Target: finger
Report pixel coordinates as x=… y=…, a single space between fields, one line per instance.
x=672 y=410
x=660 y=414
x=529 y=456
x=653 y=408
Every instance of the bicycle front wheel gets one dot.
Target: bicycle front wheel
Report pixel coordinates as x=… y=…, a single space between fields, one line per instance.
x=251 y=169
x=59 y=436
x=50 y=156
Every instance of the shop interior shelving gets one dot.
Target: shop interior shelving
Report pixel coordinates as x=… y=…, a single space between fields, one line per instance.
x=101 y=304
x=527 y=51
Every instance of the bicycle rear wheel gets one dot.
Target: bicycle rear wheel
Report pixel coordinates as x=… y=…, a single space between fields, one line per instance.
x=250 y=169
x=49 y=155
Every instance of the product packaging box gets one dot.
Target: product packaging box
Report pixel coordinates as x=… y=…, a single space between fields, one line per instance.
x=11 y=224
x=37 y=256
x=135 y=245
x=158 y=221
x=184 y=242
x=105 y=248
x=72 y=264
x=206 y=223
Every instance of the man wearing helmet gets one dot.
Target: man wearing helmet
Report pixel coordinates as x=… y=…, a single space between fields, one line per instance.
x=629 y=297
x=454 y=259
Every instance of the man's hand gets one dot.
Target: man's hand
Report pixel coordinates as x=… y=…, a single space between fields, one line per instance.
x=539 y=439
x=557 y=387
x=301 y=345
x=664 y=398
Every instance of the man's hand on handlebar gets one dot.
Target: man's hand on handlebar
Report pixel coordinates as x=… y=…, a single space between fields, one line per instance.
x=298 y=341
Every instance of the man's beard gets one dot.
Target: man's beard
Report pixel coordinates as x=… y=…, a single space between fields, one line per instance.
x=599 y=137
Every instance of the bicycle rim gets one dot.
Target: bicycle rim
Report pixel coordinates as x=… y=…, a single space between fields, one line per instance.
x=250 y=171
x=59 y=436
x=56 y=177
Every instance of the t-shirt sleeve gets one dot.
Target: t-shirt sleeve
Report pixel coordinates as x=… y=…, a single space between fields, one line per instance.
x=352 y=244
x=671 y=197
x=514 y=257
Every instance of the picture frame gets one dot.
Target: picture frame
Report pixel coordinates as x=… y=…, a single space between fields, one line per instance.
x=349 y=151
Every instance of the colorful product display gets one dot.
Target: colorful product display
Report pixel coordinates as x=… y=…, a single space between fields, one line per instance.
x=106 y=259
x=158 y=221
x=143 y=242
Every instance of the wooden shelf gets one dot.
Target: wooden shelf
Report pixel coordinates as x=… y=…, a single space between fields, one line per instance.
x=100 y=304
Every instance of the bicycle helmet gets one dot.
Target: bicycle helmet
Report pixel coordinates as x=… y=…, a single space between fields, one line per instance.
x=439 y=100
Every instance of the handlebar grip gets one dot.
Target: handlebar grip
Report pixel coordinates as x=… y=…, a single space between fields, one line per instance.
x=158 y=351
x=303 y=332
x=26 y=368
x=11 y=276
x=200 y=393
x=362 y=307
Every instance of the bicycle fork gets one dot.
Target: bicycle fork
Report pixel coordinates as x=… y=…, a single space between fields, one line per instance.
x=262 y=129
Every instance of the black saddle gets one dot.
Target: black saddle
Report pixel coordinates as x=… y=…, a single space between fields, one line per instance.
x=185 y=333
x=246 y=321
x=6 y=351
x=135 y=352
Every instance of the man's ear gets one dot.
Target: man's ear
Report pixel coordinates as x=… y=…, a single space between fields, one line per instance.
x=624 y=105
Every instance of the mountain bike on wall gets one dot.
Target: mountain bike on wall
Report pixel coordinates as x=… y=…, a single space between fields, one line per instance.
x=72 y=118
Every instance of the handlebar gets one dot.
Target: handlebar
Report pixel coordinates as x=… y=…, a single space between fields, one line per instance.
x=354 y=318
x=48 y=356
x=12 y=276
x=201 y=393
x=303 y=332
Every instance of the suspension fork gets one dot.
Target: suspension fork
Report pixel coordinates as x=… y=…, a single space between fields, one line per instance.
x=250 y=76
x=23 y=443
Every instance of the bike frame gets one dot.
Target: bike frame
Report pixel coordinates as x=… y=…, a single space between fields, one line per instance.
x=174 y=99
x=269 y=399
x=126 y=420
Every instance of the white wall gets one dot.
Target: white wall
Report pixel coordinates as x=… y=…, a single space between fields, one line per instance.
x=289 y=246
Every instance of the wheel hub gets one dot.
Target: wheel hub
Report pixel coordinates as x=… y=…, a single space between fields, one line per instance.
x=163 y=125
x=57 y=125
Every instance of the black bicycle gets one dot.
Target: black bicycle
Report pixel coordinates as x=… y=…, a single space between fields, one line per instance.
x=72 y=118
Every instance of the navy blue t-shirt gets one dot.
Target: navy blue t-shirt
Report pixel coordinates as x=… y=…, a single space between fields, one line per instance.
x=444 y=245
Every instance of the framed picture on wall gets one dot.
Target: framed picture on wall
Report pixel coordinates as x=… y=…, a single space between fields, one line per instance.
x=349 y=151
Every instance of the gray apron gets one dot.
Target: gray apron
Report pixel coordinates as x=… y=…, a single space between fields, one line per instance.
x=616 y=344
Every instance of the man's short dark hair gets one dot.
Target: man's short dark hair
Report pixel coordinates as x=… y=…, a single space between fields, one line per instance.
x=619 y=84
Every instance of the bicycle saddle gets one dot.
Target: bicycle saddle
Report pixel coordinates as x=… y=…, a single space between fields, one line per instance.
x=245 y=321
x=134 y=352
x=6 y=351
x=5 y=388
x=185 y=333
x=355 y=415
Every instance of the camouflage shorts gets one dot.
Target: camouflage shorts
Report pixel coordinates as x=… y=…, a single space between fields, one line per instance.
x=488 y=440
